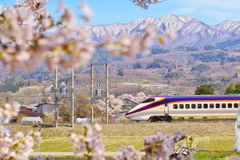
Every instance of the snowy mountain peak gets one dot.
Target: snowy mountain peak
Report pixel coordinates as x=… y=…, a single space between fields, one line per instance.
x=169 y=16
x=185 y=19
x=229 y=26
x=190 y=31
x=144 y=20
x=172 y=17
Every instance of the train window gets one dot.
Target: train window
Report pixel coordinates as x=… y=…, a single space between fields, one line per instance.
x=223 y=105
x=235 y=105
x=199 y=106
x=175 y=106
x=229 y=105
x=205 y=106
x=211 y=105
x=217 y=105
x=181 y=106
x=187 y=106
x=149 y=100
x=193 y=106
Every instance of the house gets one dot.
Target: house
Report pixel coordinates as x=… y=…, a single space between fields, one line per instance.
x=26 y=113
x=45 y=107
x=129 y=104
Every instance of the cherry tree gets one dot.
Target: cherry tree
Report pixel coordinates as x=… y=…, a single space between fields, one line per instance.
x=139 y=97
x=114 y=106
x=126 y=96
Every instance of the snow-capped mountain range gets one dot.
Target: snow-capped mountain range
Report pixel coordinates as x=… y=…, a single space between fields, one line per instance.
x=190 y=31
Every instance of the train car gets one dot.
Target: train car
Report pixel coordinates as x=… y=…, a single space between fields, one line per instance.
x=163 y=108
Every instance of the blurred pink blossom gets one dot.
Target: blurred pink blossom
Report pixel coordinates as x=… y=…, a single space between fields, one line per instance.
x=17 y=147
x=144 y=3
x=159 y=146
x=128 y=153
x=8 y=110
x=88 y=141
x=87 y=10
x=129 y=45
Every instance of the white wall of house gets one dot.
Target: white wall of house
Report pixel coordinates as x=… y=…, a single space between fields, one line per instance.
x=46 y=108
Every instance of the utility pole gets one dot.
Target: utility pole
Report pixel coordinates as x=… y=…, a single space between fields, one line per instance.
x=56 y=98
x=99 y=93
x=92 y=96
x=107 y=99
x=72 y=98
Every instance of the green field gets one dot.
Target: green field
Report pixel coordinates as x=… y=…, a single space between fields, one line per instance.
x=218 y=137
x=112 y=144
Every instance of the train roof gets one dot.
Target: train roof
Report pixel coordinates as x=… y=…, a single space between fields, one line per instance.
x=228 y=95
x=200 y=97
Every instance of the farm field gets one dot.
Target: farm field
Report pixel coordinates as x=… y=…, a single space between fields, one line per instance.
x=216 y=136
x=112 y=144
x=136 y=129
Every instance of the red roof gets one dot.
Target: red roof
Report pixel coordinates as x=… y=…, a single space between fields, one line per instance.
x=34 y=114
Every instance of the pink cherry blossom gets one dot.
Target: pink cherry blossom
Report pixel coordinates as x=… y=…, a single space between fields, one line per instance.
x=88 y=141
x=129 y=45
x=9 y=110
x=159 y=146
x=87 y=10
x=17 y=147
x=114 y=106
x=128 y=153
x=144 y=3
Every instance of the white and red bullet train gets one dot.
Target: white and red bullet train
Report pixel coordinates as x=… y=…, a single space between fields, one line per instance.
x=163 y=108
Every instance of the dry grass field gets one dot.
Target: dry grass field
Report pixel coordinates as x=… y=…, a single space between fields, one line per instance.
x=218 y=136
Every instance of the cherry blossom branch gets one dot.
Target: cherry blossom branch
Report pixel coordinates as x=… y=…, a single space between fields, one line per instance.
x=88 y=141
x=144 y=3
x=159 y=146
x=17 y=146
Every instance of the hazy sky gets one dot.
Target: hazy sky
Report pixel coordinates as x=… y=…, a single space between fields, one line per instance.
x=211 y=12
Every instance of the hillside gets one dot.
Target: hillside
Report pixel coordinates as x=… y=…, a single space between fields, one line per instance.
x=182 y=69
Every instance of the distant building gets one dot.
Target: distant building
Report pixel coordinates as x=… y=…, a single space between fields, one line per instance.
x=45 y=107
x=157 y=86
x=26 y=113
x=129 y=104
x=31 y=120
x=148 y=86
x=131 y=84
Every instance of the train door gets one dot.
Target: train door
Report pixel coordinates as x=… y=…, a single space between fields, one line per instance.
x=166 y=110
x=166 y=113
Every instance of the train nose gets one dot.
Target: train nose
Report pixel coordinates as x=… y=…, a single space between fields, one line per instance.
x=127 y=115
